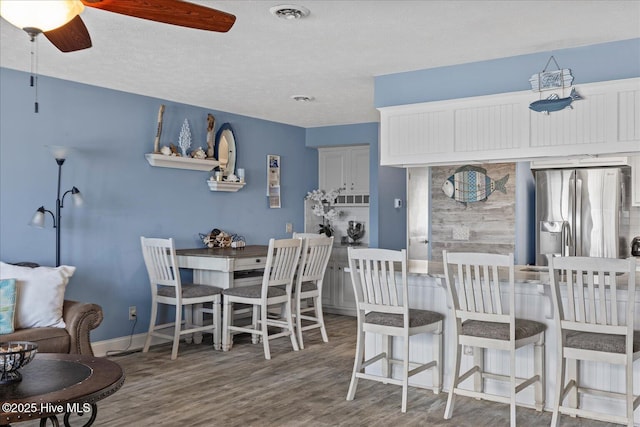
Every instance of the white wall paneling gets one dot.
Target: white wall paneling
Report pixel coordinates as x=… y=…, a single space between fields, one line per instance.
x=501 y=127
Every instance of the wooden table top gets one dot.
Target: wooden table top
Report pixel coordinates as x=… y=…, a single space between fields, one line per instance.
x=51 y=381
x=249 y=251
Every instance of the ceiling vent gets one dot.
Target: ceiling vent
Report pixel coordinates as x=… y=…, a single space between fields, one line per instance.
x=302 y=98
x=289 y=11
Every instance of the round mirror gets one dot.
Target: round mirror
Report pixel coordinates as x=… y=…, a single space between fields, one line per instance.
x=225 y=149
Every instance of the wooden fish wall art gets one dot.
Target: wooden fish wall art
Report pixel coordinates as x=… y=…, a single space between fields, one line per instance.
x=553 y=80
x=471 y=184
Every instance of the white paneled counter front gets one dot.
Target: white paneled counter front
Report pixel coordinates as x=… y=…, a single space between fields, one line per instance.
x=533 y=301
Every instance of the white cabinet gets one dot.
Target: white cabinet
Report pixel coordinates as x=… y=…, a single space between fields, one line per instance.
x=344 y=167
x=337 y=290
x=502 y=128
x=332 y=168
x=635 y=180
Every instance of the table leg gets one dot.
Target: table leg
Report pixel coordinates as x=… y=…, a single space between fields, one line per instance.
x=193 y=317
x=52 y=418
x=187 y=309
x=92 y=418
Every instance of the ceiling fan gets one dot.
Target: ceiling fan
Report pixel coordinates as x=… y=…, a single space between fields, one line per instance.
x=70 y=34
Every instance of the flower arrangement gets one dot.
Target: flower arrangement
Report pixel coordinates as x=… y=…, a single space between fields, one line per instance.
x=322 y=208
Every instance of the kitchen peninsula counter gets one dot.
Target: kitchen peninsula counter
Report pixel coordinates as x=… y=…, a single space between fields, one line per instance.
x=427 y=290
x=524 y=274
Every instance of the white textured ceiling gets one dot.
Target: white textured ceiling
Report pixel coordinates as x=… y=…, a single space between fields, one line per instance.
x=332 y=55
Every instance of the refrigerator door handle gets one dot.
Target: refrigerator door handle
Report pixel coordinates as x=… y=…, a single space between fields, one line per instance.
x=567 y=241
x=578 y=218
x=570 y=237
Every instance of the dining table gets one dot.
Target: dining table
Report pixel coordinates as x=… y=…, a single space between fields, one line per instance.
x=224 y=268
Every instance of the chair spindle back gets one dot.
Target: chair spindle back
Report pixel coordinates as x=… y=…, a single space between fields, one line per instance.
x=475 y=284
x=160 y=260
x=373 y=273
x=593 y=292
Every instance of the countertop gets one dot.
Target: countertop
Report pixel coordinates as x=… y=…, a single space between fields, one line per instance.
x=523 y=273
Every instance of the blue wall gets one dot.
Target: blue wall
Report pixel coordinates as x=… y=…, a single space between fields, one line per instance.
x=601 y=62
x=125 y=197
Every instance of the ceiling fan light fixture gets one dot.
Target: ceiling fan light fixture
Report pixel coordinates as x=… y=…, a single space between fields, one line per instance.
x=40 y=15
x=289 y=11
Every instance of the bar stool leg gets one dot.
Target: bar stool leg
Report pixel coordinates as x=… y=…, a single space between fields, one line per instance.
x=478 y=360
x=455 y=375
x=538 y=366
x=573 y=370
x=437 y=357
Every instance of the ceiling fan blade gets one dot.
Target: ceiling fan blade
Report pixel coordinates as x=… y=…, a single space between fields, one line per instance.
x=174 y=12
x=70 y=37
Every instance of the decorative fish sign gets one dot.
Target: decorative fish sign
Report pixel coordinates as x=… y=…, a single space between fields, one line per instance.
x=555 y=103
x=471 y=184
x=551 y=80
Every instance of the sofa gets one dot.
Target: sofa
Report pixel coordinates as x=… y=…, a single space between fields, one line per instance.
x=43 y=315
x=80 y=319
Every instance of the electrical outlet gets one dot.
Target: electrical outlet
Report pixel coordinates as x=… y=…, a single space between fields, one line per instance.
x=133 y=312
x=468 y=350
x=460 y=232
x=288 y=227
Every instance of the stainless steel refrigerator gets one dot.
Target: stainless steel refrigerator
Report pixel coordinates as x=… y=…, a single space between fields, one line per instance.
x=582 y=212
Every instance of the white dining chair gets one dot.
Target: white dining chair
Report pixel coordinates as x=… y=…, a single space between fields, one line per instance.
x=593 y=324
x=316 y=251
x=379 y=278
x=485 y=320
x=277 y=282
x=167 y=288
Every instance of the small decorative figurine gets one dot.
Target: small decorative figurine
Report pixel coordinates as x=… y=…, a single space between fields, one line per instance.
x=199 y=153
x=211 y=123
x=184 y=140
x=156 y=142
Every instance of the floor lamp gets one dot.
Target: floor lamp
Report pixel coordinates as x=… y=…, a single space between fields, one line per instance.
x=38 y=217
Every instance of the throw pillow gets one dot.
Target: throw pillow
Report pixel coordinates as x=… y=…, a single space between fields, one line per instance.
x=40 y=294
x=7 y=305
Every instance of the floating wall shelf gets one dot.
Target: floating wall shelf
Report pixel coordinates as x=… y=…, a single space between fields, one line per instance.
x=225 y=185
x=160 y=160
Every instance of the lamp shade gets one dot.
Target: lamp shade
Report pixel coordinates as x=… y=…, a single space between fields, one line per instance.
x=44 y=15
x=77 y=197
x=38 y=218
x=59 y=151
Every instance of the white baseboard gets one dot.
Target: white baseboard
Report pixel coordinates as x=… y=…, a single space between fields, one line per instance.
x=135 y=342
x=126 y=343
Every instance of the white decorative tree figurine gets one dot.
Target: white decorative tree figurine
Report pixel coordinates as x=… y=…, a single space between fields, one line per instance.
x=184 y=141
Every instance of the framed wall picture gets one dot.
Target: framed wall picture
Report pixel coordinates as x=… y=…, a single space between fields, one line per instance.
x=273 y=181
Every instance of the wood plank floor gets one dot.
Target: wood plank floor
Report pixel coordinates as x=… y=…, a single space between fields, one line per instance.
x=204 y=387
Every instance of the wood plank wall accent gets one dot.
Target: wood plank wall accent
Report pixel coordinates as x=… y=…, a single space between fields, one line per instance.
x=491 y=223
